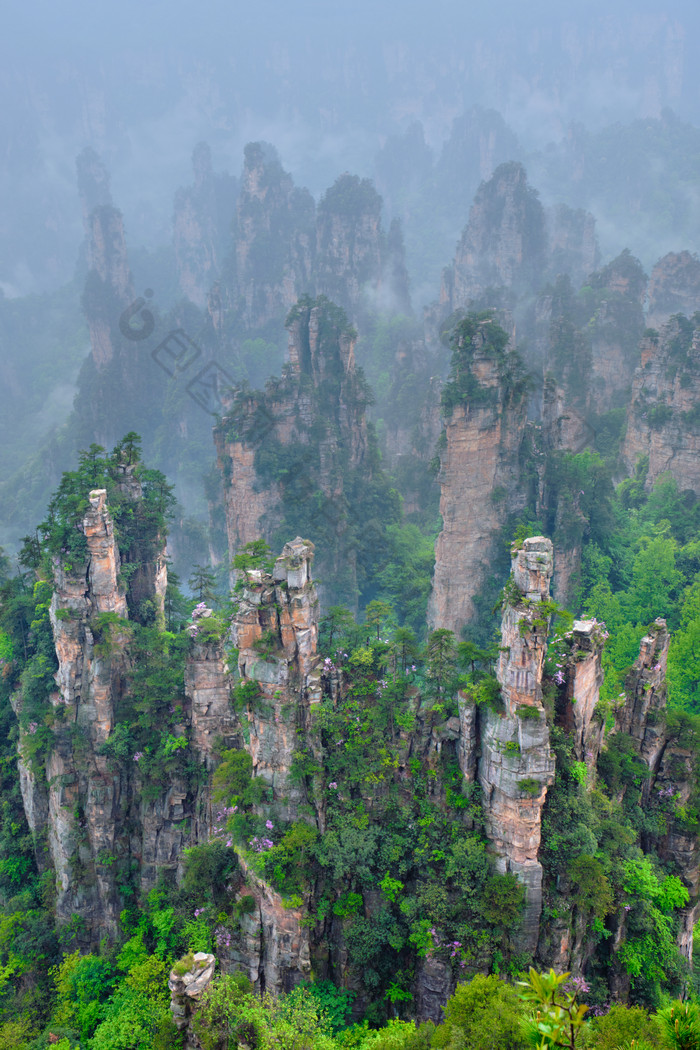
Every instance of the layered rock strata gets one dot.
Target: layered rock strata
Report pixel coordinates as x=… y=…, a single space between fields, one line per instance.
x=276 y=631
x=517 y=765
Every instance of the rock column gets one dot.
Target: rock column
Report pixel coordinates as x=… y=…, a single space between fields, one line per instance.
x=517 y=764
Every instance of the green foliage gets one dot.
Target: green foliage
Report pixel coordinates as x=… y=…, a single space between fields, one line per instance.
x=559 y=1016
x=479 y=334
x=483 y=1014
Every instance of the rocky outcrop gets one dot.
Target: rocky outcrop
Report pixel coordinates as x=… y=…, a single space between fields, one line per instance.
x=573 y=245
x=108 y=286
x=582 y=675
x=517 y=765
x=639 y=715
x=85 y=797
x=674 y=288
x=201 y=224
x=186 y=986
x=663 y=415
x=273 y=242
x=357 y=265
x=668 y=746
x=208 y=689
x=480 y=477
x=615 y=330
x=304 y=440
x=504 y=243
x=276 y=630
x=274 y=949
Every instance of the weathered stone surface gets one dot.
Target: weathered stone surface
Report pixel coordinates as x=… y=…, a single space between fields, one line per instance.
x=504 y=242
x=663 y=422
x=480 y=459
x=573 y=245
x=207 y=685
x=276 y=941
x=434 y=985
x=584 y=677
x=515 y=745
x=270 y=210
x=276 y=630
x=356 y=263
x=296 y=413
x=615 y=331
x=185 y=990
x=639 y=713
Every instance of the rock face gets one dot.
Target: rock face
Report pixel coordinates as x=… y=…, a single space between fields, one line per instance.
x=275 y=631
x=583 y=676
x=354 y=257
x=305 y=438
x=108 y=287
x=201 y=222
x=517 y=765
x=663 y=415
x=185 y=990
x=615 y=329
x=480 y=477
x=645 y=696
x=103 y=827
x=573 y=245
x=674 y=288
x=667 y=748
x=504 y=242
x=274 y=241
x=86 y=798
x=275 y=945
x=284 y=248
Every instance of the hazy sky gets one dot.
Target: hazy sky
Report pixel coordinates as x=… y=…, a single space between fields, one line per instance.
x=142 y=83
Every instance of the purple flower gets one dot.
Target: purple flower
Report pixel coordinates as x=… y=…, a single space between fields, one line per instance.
x=138 y=756
x=269 y=825
x=559 y=678
x=333 y=786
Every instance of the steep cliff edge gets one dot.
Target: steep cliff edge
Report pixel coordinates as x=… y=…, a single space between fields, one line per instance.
x=516 y=765
x=485 y=407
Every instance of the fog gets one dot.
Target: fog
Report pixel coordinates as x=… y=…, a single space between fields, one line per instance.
x=142 y=84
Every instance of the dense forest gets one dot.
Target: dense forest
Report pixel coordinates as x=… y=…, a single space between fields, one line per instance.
x=350 y=544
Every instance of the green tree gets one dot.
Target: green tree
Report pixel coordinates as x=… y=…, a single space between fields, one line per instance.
x=202 y=583
x=483 y=1014
x=441 y=659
